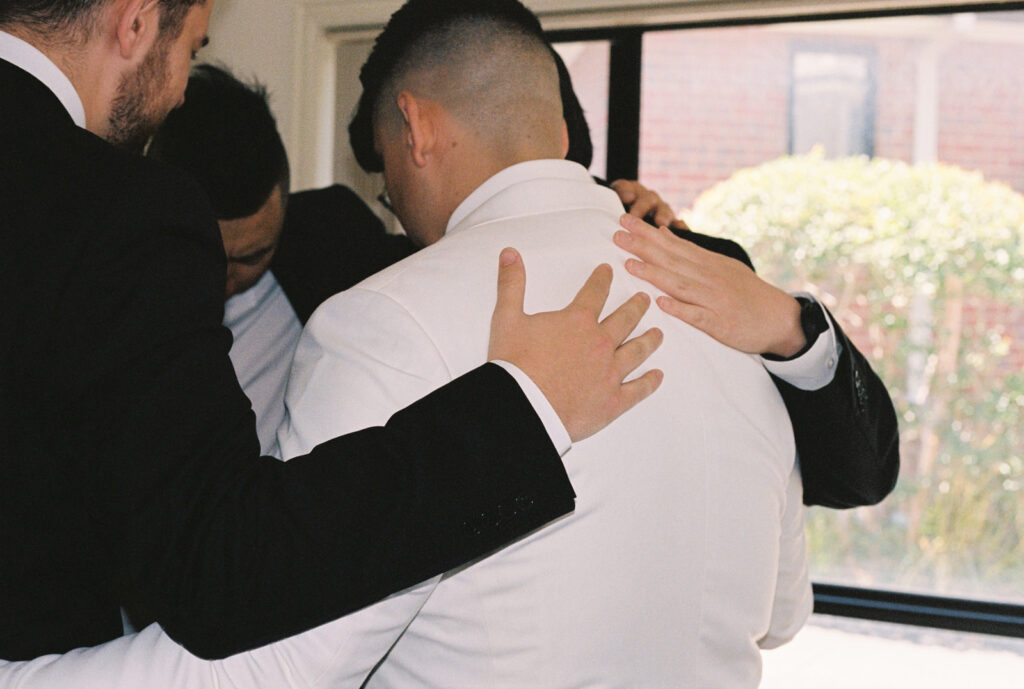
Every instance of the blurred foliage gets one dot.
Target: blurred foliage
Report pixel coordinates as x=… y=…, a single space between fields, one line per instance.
x=923 y=265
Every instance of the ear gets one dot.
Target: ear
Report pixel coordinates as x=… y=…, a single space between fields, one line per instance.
x=138 y=27
x=565 y=139
x=419 y=131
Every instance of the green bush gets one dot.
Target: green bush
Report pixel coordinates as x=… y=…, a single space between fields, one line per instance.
x=924 y=267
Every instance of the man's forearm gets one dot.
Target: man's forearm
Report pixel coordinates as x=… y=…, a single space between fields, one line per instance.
x=364 y=516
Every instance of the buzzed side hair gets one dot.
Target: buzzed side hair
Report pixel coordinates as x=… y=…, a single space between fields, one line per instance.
x=486 y=61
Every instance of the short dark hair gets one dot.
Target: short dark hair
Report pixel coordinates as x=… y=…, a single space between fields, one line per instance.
x=407 y=26
x=67 y=15
x=226 y=137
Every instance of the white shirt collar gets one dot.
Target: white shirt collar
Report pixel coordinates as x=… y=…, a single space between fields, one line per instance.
x=29 y=58
x=240 y=305
x=516 y=174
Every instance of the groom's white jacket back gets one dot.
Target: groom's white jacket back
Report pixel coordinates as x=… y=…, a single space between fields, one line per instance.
x=685 y=552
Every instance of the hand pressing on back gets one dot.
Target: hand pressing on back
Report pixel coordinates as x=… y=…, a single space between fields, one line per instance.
x=714 y=293
x=577 y=361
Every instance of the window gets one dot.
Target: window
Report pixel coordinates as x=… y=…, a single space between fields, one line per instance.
x=587 y=62
x=832 y=104
x=879 y=162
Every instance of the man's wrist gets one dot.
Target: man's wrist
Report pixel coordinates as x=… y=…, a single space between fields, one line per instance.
x=548 y=416
x=815 y=367
x=796 y=340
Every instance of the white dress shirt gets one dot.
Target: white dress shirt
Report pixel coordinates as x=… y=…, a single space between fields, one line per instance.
x=685 y=552
x=265 y=331
x=815 y=368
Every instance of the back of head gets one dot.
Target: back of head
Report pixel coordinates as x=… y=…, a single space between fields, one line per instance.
x=485 y=61
x=226 y=137
x=75 y=18
x=47 y=16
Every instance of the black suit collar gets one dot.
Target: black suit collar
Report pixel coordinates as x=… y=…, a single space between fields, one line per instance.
x=26 y=96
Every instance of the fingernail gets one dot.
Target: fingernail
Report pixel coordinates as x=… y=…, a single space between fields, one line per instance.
x=623 y=238
x=645 y=298
x=633 y=265
x=507 y=258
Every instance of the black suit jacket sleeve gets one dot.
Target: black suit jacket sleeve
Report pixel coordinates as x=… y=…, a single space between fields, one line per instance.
x=233 y=551
x=846 y=433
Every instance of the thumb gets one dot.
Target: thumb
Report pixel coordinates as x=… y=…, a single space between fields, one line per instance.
x=511 y=285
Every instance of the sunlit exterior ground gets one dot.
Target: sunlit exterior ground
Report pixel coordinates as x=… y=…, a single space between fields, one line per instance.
x=837 y=653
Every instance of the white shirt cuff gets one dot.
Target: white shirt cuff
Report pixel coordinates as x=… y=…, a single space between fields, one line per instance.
x=552 y=424
x=815 y=368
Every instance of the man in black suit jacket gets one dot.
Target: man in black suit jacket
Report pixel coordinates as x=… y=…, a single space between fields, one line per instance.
x=130 y=472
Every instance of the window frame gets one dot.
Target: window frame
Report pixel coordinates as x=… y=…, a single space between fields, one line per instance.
x=623 y=146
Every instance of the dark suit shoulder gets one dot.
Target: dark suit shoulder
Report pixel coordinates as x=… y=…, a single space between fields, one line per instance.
x=328 y=205
x=172 y=201
x=75 y=184
x=719 y=245
x=331 y=240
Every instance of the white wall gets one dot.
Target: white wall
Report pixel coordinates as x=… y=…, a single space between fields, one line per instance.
x=256 y=38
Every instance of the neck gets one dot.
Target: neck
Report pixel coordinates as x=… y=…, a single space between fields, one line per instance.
x=479 y=164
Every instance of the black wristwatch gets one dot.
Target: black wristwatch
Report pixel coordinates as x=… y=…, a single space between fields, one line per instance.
x=812 y=322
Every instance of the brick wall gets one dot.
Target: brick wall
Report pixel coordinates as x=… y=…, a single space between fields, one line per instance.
x=718 y=100
x=981 y=107
x=714 y=102
x=895 y=89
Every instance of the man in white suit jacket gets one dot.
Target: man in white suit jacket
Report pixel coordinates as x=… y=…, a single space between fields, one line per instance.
x=685 y=553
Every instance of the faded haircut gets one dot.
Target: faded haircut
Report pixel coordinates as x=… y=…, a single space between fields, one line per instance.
x=77 y=17
x=487 y=61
